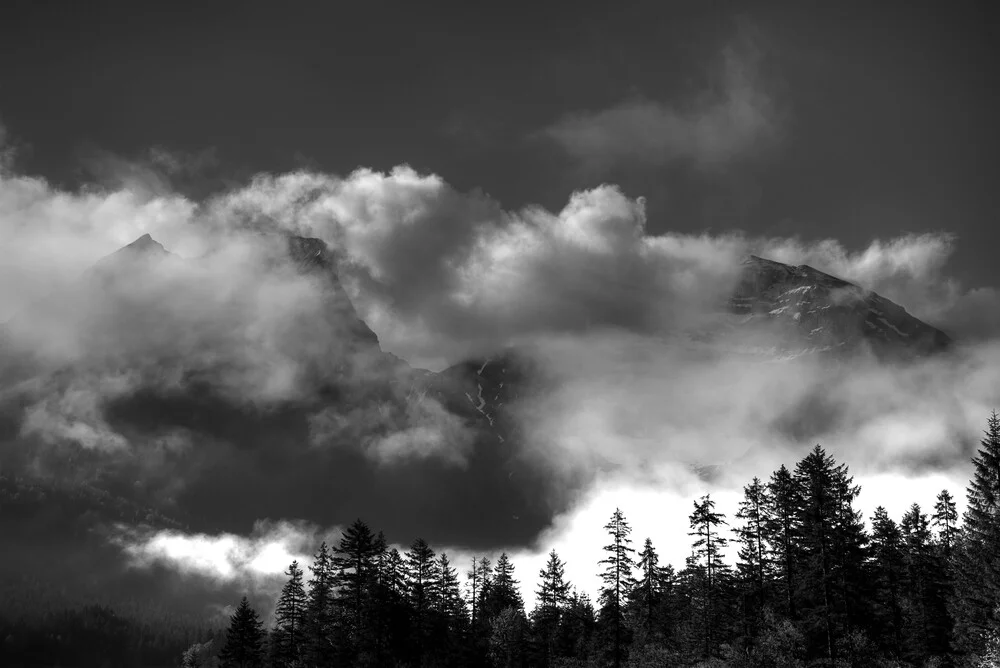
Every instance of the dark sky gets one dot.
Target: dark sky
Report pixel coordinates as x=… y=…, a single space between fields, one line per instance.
x=887 y=116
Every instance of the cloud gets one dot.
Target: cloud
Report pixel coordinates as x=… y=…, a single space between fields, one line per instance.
x=263 y=554
x=721 y=125
x=607 y=308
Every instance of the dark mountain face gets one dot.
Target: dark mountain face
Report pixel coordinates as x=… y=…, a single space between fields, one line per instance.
x=813 y=310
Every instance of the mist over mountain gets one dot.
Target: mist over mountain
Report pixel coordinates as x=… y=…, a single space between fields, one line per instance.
x=152 y=387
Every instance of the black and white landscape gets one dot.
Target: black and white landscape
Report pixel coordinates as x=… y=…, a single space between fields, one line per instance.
x=510 y=336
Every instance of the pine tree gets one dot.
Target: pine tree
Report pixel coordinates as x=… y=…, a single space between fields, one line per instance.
x=475 y=585
x=318 y=640
x=452 y=620
x=353 y=565
x=576 y=633
x=289 y=617
x=244 y=646
x=945 y=518
x=391 y=604
x=422 y=580
x=649 y=594
x=977 y=559
x=833 y=545
x=784 y=533
x=928 y=623
x=617 y=583
x=887 y=569
x=708 y=546
x=754 y=564
x=503 y=590
x=551 y=598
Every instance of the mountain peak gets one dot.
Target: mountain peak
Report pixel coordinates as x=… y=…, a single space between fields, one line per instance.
x=828 y=312
x=145 y=244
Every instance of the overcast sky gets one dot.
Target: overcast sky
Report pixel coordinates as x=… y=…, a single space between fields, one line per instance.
x=831 y=121
x=864 y=143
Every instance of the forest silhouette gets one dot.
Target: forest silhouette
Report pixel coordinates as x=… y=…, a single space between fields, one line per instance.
x=813 y=585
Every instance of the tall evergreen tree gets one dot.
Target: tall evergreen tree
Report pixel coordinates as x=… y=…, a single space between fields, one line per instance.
x=452 y=621
x=289 y=620
x=617 y=583
x=475 y=586
x=754 y=563
x=649 y=594
x=551 y=598
x=887 y=571
x=503 y=590
x=318 y=641
x=784 y=532
x=977 y=560
x=353 y=565
x=833 y=545
x=945 y=518
x=422 y=581
x=928 y=624
x=708 y=545
x=245 y=637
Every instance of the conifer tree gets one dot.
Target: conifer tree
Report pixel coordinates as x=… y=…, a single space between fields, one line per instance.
x=318 y=646
x=887 y=569
x=475 y=585
x=754 y=564
x=945 y=518
x=833 y=545
x=617 y=583
x=551 y=598
x=353 y=565
x=977 y=560
x=392 y=605
x=649 y=593
x=422 y=581
x=452 y=621
x=289 y=618
x=503 y=589
x=928 y=624
x=480 y=629
x=576 y=633
x=708 y=546
x=245 y=637
x=784 y=532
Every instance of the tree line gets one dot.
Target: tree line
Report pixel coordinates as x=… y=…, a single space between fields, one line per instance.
x=812 y=585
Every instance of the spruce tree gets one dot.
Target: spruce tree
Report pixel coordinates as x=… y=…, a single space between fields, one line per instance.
x=754 y=565
x=451 y=613
x=551 y=598
x=887 y=571
x=475 y=585
x=928 y=624
x=617 y=584
x=649 y=594
x=784 y=532
x=977 y=559
x=353 y=565
x=945 y=518
x=289 y=619
x=422 y=581
x=245 y=637
x=833 y=547
x=318 y=646
x=708 y=545
x=503 y=589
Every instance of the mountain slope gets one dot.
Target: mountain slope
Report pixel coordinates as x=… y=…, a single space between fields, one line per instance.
x=816 y=310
